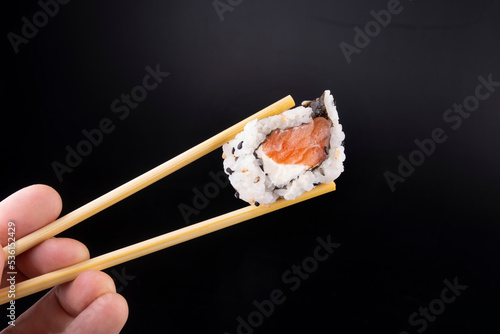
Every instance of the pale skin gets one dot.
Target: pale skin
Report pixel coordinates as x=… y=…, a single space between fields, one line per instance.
x=89 y=304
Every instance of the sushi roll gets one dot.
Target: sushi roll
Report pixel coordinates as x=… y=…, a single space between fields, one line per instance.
x=286 y=155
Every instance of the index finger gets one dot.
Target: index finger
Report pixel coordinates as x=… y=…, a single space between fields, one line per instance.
x=30 y=209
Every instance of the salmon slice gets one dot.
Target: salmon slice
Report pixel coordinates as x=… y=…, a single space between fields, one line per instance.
x=305 y=145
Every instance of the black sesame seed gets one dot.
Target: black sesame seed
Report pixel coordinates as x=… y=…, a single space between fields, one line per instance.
x=316 y=184
x=240 y=145
x=237 y=194
x=327 y=150
x=256 y=203
x=233 y=151
x=229 y=171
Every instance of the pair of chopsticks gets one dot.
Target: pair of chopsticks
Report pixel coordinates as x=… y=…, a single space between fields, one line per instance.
x=125 y=254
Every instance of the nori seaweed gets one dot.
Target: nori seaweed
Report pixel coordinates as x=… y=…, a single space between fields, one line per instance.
x=318 y=107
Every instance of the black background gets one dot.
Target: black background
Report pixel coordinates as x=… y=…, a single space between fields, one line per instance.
x=397 y=247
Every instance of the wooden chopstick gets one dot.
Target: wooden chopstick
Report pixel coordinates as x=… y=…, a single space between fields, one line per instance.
x=144 y=180
x=155 y=244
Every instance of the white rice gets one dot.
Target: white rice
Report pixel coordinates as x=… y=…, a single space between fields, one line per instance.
x=250 y=175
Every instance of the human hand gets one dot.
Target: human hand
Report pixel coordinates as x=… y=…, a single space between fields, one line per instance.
x=89 y=304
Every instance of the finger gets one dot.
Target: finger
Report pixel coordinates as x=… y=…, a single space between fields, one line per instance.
x=30 y=208
x=86 y=305
x=106 y=315
x=75 y=296
x=50 y=255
